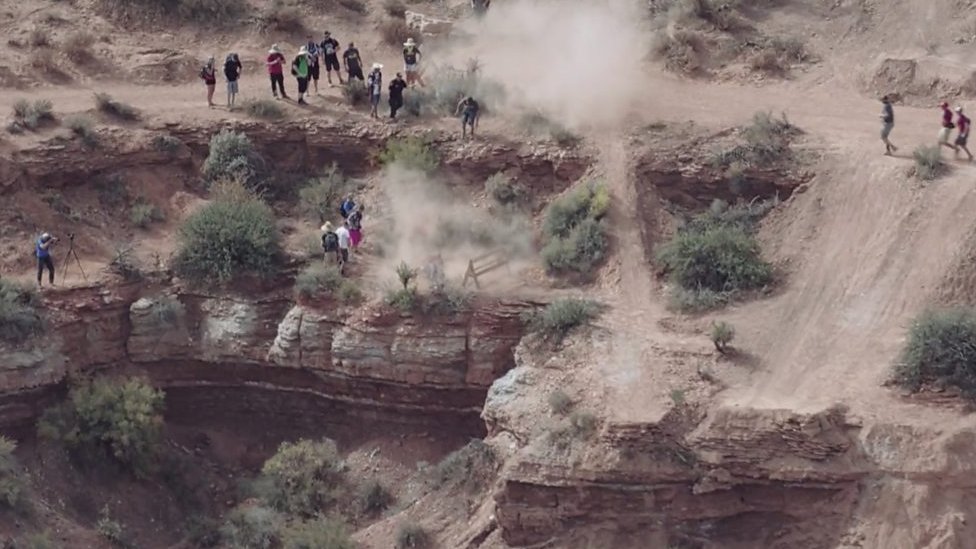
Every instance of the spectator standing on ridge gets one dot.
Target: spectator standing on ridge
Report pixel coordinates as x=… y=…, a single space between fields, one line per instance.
x=887 y=124
x=374 y=83
x=209 y=75
x=947 y=127
x=232 y=71
x=330 y=54
x=313 y=62
x=356 y=226
x=330 y=243
x=299 y=69
x=344 y=240
x=276 y=64
x=42 y=249
x=396 y=94
x=411 y=62
x=353 y=62
x=470 y=112
x=963 y=123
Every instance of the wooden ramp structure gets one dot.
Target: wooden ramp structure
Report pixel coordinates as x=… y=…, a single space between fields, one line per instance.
x=484 y=264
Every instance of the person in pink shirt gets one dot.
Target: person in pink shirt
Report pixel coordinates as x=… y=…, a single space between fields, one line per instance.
x=276 y=64
x=963 y=124
x=947 y=127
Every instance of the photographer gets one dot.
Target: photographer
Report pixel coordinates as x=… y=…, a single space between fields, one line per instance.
x=42 y=249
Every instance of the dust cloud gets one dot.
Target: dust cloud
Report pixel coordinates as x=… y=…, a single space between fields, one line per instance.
x=580 y=62
x=424 y=219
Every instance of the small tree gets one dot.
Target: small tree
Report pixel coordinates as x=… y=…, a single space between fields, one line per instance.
x=561 y=316
x=405 y=274
x=941 y=349
x=11 y=479
x=252 y=527
x=19 y=319
x=303 y=477
x=318 y=533
x=319 y=198
x=722 y=335
x=375 y=498
x=412 y=536
x=411 y=153
x=233 y=157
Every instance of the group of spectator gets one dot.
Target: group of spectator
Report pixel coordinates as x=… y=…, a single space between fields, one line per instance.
x=961 y=123
x=338 y=241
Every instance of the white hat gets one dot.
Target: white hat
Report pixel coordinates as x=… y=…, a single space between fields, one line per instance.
x=304 y=49
x=377 y=66
x=958 y=109
x=327 y=227
x=409 y=42
x=46 y=236
x=274 y=49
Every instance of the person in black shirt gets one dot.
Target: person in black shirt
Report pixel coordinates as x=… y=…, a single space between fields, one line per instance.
x=232 y=71
x=330 y=54
x=313 y=63
x=887 y=124
x=396 y=94
x=469 y=110
x=354 y=63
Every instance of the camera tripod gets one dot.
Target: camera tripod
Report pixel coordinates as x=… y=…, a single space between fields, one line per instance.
x=72 y=254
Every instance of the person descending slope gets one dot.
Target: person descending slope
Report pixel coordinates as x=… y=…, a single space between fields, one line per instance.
x=947 y=127
x=963 y=123
x=887 y=124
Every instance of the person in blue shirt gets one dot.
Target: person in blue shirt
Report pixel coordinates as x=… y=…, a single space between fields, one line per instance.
x=347 y=207
x=42 y=249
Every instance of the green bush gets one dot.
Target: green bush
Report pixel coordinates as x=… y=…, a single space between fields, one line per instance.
x=105 y=104
x=318 y=533
x=412 y=536
x=536 y=123
x=122 y=419
x=928 y=162
x=208 y=12
x=38 y=540
x=503 y=189
x=575 y=237
x=319 y=199
x=19 y=318
x=83 y=127
x=303 y=477
x=232 y=235
x=142 y=214
x=446 y=87
x=470 y=467
x=718 y=258
x=77 y=46
x=375 y=498
x=167 y=144
x=404 y=299
x=264 y=108
x=30 y=115
x=355 y=92
x=233 y=157
x=559 y=317
x=318 y=279
x=395 y=8
x=766 y=141
x=559 y=402
x=410 y=152
x=722 y=335
x=251 y=527
x=12 y=486
x=941 y=350
x=109 y=528
x=582 y=425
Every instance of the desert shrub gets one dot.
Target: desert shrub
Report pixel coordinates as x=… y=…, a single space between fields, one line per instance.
x=83 y=127
x=395 y=8
x=31 y=114
x=195 y=11
x=410 y=152
x=375 y=498
x=411 y=535
x=143 y=213
x=318 y=279
x=251 y=527
x=928 y=162
x=39 y=38
x=720 y=213
x=118 y=418
x=319 y=199
x=580 y=425
x=697 y=300
x=106 y=104
x=405 y=274
x=559 y=402
x=124 y=263
x=537 y=123
x=264 y=108
x=395 y=32
x=282 y=17
x=941 y=350
x=503 y=189
x=789 y=48
x=445 y=299
x=681 y=50
x=355 y=92
x=167 y=143
x=767 y=61
x=573 y=229
x=77 y=46
x=470 y=467
x=302 y=477
x=562 y=315
x=722 y=335
x=19 y=318
x=38 y=540
x=12 y=484
x=766 y=140
x=403 y=299
x=318 y=533
x=45 y=62
x=448 y=86
x=232 y=156
x=109 y=528
x=358 y=6
x=232 y=235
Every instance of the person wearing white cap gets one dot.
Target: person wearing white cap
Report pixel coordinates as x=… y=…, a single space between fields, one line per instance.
x=374 y=83
x=411 y=62
x=276 y=62
x=962 y=123
x=300 y=69
x=42 y=250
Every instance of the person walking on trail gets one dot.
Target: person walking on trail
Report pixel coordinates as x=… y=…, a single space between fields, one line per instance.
x=42 y=250
x=374 y=83
x=469 y=110
x=209 y=75
x=347 y=206
x=963 y=123
x=344 y=240
x=353 y=62
x=330 y=54
x=232 y=71
x=330 y=243
x=887 y=124
x=397 y=86
x=313 y=63
x=276 y=64
x=947 y=127
x=356 y=227
x=299 y=69
x=411 y=62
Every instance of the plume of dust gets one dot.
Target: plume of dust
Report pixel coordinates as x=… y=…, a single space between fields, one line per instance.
x=579 y=62
x=424 y=220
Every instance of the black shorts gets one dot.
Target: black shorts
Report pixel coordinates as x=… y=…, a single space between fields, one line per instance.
x=344 y=254
x=332 y=63
x=302 y=84
x=313 y=71
x=356 y=72
x=961 y=140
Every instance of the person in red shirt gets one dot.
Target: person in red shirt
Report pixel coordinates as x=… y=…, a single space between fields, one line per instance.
x=963 y=123
x=276 y=64
x=947 y=127
x=209 y=75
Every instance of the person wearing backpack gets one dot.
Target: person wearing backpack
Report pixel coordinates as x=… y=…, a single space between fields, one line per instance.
x=356 y=227
x=300 y=69
x=330 y=242
x=209 y=76
x=232 y=71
